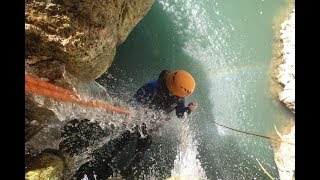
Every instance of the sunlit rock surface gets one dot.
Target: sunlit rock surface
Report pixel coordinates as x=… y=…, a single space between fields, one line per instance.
x=74 y=37
x=50 y=164
x=285 y=156
x=286 y=74
x=285 y=153
x=77 y=36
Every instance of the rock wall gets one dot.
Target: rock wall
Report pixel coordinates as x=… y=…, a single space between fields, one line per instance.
x=284 y=156
x=79 y=37
x=285 y=153
x=73 y=37
x=286 y=76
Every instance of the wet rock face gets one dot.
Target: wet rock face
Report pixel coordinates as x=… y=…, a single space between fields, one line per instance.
x=46 y=165
x=77 y=36
x=36 y=118
x=77 y=135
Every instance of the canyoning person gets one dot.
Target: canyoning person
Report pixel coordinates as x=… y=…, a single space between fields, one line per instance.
x=168 y=92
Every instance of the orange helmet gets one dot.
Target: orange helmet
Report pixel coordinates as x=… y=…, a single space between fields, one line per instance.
x=180 y=83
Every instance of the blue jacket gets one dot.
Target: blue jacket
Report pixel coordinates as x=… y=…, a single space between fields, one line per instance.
x=155 y=95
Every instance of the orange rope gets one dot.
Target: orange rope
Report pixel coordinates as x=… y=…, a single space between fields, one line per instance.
x=37 y=86
x=47 y=85
x=271 y=138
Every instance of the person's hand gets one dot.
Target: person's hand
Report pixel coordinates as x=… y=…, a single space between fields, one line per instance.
x=192 y=106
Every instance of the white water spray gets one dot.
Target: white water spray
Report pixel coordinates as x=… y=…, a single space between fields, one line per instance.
x=186 y=164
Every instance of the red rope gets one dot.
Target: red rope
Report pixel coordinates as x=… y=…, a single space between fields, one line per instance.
x=38 y=86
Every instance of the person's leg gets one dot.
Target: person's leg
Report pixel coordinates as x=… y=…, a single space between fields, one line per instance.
x=78 y=135
x=100 y=166
x=143 y=144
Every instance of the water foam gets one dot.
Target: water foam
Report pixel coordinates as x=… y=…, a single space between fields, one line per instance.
x=186 y=164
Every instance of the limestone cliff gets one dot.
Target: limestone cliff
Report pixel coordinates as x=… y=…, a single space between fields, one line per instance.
x=76 y=37
x=286 y=76
x=79 y=37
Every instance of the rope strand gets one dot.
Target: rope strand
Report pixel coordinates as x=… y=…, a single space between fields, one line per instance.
x=40 y=87
x=266 y=137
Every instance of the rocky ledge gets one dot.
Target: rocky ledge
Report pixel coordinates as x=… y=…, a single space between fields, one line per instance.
x=73 y=38
x=285 y=153
x=77 y=37
x=286 y=76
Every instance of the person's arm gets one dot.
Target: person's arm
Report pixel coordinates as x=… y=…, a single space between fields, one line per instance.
x=146 y=92
x=181 y=108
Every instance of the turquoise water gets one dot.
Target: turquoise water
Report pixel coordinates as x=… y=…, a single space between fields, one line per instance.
x=227 y=46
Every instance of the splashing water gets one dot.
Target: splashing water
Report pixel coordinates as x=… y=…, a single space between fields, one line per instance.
x=232 y=75
x=232 y=49
x=186 y=163
x=113 y=122
x=209 y=44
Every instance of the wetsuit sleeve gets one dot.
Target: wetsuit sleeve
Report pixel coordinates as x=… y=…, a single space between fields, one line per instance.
x=146 y=92
x=181 y=109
